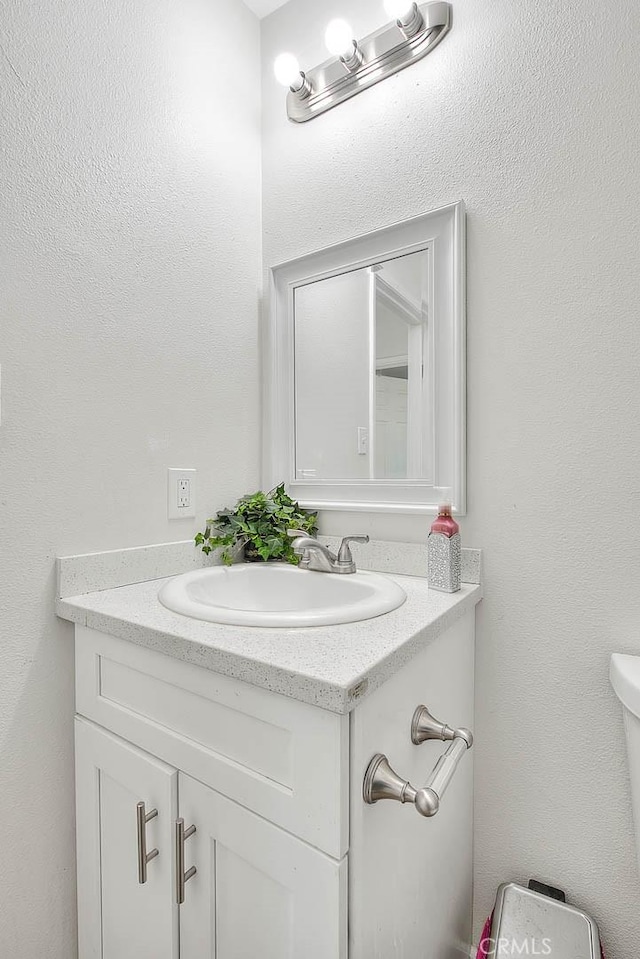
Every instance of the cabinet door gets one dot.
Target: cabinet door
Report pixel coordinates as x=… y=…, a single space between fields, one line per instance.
x=118 y=917
x=258 y=891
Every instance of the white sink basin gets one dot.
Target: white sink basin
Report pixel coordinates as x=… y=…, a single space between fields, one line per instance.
x=277 y=594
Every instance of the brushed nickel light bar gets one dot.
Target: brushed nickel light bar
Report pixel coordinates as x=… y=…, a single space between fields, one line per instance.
x=356 y=65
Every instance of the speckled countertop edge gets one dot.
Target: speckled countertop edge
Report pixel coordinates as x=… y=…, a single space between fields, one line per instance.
x=333 y=667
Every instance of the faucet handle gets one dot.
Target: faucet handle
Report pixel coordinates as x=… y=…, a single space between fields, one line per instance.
x=344 y=553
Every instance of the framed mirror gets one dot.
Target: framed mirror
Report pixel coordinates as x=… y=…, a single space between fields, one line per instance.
x=365 y=370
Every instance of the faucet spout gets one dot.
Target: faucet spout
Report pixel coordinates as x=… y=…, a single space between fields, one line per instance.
x=316 y=556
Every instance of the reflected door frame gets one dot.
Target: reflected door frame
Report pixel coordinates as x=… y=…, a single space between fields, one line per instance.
x=420 y=387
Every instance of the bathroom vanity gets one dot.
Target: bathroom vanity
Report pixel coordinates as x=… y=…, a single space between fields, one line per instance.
x=220 y=776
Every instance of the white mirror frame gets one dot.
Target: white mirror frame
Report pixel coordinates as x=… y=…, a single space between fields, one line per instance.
x=443 y=233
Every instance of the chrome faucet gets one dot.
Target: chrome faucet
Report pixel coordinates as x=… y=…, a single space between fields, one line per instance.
x=315 y=556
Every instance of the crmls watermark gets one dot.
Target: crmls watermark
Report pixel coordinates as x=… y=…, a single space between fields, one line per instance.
x=507 y=948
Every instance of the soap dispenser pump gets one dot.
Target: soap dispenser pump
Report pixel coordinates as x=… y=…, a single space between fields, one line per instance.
x=444 y=549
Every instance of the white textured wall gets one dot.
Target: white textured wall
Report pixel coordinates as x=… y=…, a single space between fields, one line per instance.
x=130 y=265
x=529 y=112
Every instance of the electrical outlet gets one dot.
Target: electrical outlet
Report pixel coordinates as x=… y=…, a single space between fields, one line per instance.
x=184 y=493
x=363 y=440
x=181 y=494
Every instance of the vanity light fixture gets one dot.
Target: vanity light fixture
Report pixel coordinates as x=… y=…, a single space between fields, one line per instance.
x=355 y=65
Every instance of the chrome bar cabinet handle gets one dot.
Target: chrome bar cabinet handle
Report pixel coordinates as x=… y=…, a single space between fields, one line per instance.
x=182 y=877
x=382 y=782
x=144 y=857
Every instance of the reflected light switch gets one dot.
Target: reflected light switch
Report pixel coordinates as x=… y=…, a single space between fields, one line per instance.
x=363 y=440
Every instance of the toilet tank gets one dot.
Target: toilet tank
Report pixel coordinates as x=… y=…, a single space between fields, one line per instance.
x=625 y=679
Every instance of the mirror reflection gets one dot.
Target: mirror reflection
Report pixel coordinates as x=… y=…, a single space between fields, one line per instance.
x=362 y=372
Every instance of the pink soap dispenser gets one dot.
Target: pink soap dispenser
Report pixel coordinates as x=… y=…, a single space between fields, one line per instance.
x=444 y=550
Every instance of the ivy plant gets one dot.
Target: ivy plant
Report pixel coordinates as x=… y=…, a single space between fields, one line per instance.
x=260 y=522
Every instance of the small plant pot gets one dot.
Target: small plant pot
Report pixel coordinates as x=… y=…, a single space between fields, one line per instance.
x=215 y=557
x=251 y=555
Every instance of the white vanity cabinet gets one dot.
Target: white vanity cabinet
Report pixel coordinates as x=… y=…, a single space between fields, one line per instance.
x=289 y=861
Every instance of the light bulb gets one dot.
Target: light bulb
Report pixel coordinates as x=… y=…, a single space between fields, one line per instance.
x=339 y=39
x=287 y=71
x=401 y=10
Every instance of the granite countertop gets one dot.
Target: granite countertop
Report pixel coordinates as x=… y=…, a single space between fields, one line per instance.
x=333 y=667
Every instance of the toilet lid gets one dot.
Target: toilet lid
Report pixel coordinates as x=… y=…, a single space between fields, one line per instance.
x=625 y=679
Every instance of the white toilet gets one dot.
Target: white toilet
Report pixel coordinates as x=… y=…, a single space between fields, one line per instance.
x=625 y=679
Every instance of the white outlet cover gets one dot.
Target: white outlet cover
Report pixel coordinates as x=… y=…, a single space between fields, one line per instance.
x=181 y=493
